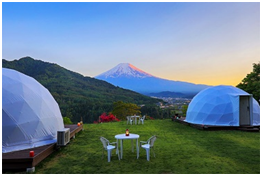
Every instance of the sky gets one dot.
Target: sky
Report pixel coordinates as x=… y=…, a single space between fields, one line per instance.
x=209 y=43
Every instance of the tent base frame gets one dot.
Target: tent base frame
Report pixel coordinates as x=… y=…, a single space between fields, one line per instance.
x=214 y=128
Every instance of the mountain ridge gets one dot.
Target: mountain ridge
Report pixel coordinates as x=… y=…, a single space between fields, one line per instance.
x=77 y=96
x=145 y=83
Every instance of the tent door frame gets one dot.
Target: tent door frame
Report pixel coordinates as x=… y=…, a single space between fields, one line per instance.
x=245 y=110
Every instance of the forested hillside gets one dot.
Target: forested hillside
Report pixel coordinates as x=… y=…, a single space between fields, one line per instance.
x=77 y=96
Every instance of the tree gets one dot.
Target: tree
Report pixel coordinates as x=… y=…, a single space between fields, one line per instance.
x=151 y=110
x=184 y=110
x=121 y=109
x=251 y=83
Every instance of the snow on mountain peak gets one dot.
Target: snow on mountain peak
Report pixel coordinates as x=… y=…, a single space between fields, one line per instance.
x=124 y=69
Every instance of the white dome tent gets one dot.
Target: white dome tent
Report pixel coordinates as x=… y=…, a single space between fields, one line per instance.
x=30 y=115
x=223 y=106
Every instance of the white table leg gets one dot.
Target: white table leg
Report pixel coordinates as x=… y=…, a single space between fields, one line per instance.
x=137 y=148
x=117 y=147
x=121 y=145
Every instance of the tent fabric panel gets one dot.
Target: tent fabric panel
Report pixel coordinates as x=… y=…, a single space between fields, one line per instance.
x=256 y=113
x=235 y=109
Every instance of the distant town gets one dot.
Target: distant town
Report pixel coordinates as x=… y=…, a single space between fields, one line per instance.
x=174 y=105
x=171 y=102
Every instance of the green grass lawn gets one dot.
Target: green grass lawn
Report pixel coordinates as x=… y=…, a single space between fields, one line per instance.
x=179 y=149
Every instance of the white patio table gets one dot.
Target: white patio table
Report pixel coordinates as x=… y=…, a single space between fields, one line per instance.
x=122 y=137
x=135 y=117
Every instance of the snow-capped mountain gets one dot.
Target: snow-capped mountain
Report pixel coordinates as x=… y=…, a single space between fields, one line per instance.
x=130 y=77
x=124 y=70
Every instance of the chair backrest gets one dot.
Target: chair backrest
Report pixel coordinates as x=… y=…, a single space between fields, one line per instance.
x=151 y=141
x=104 y=141
x=127 y=117
x=143 y=118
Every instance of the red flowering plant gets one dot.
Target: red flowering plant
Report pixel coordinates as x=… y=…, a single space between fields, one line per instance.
x=108 y=118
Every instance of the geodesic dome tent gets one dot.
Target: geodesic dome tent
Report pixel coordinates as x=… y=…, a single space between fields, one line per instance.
x=223 y=106
x=30 y=115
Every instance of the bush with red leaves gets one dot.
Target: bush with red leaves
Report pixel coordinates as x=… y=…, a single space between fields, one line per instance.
x=108 y=118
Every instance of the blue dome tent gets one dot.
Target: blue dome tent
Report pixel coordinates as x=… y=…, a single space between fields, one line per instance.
x=223 y=106
x=30 y=115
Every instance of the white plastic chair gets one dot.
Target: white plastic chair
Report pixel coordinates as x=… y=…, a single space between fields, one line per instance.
x=147 y=145
x=129 y=120
x=107 y=146
x=142 y=119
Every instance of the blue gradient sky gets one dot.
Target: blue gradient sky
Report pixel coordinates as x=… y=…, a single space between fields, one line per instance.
x=203 y=43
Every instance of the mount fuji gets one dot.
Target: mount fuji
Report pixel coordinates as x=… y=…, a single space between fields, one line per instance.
x=130 y=77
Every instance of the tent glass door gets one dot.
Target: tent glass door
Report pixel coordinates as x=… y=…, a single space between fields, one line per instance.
x=244 y=110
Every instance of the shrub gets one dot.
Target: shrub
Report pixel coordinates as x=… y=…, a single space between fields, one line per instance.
x=108 y=118
x=66 y=120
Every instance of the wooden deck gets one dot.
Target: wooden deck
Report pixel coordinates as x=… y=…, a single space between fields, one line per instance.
x=213 y=128
x=20 y=160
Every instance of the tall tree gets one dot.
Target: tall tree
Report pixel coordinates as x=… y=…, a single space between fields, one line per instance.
x=121 y=109
x=251 y=83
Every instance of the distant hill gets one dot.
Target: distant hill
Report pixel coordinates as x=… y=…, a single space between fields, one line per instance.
x=127 y=76
x=77 y=96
